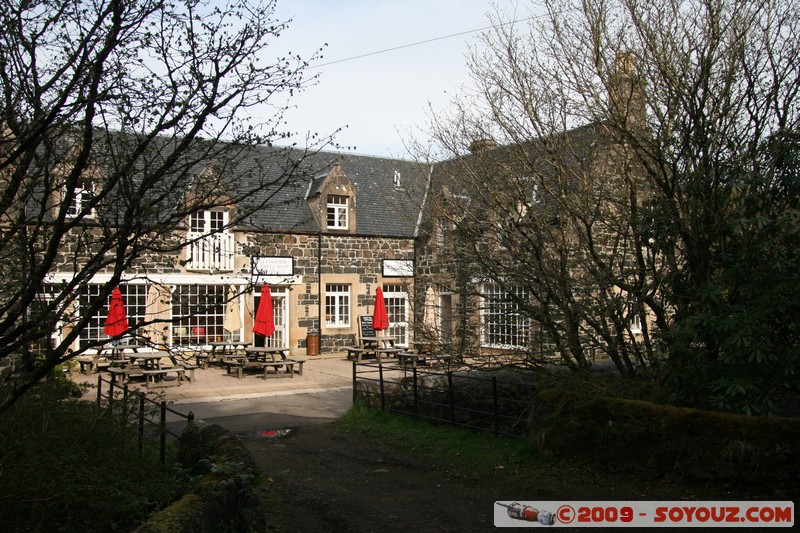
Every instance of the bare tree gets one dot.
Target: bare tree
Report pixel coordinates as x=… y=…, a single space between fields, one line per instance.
x=120 y=119
x=631 y=133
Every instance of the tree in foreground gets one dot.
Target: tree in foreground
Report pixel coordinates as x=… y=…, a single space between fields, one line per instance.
x=642 y=203
x=119 y=119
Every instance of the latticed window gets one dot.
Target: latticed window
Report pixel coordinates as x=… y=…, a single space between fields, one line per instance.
x=337 y=305
x=337 y=212
x=396 y=299
x=503 y=325
x=209 y=221
x=200 y=310
x=133 y=296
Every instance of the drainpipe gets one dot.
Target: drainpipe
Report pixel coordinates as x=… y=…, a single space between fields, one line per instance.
x=319 y=288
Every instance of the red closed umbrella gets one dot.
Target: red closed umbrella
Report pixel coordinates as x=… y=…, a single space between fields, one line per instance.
x=380 y=320
x=264 y=323
x=116 y=321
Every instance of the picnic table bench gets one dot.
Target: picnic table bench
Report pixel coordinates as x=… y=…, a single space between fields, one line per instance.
x=413 y=359
x=358 y=352
x=289 y=365
x=155 y=377
x=239 y=365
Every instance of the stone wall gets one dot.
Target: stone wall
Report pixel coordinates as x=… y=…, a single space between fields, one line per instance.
x=228 y=497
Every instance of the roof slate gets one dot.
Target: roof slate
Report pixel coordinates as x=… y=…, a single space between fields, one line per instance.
x=383 y=208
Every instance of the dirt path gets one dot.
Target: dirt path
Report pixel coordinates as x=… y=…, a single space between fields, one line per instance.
x=327 y=479
x=334 y=481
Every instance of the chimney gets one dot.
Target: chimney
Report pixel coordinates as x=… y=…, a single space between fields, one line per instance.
x=627 y=92
x=481 y=145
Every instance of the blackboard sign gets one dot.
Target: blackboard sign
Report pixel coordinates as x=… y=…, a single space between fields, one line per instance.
x=365 y=322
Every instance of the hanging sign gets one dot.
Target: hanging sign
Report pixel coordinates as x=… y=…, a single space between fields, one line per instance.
x=272 y=266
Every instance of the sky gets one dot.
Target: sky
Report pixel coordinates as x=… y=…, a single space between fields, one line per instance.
x=381 y=99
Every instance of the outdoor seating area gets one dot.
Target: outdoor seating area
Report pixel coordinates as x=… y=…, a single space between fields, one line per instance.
x=129 y=364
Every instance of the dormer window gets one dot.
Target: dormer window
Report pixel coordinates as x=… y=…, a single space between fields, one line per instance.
x=208 y=221
x=81 y=203
x=337 y=212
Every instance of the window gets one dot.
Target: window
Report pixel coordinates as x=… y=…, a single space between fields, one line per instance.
x=636 y=325
x=81 y=203
x=211 y=246
x=396 y=299
x=337 y=306
x=208 y=221
x=442 y=235
x=503 y=325
x=337 y=212
x=134 y=298
x=199 y=311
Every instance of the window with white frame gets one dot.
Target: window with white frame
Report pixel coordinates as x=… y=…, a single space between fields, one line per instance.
x=83 y=196
x=396 y=300
x=211 y=245
x=198 y=314
x=337 y=213
x=503 y=325
x=208 y=221
x=636 y=323
x=337 y=305
x=134 y=298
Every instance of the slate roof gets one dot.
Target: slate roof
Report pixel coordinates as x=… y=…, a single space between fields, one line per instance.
x=383 y=208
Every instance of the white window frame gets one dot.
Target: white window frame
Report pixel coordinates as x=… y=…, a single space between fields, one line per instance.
x=337 y=213
x=208 y=221
x=337 y=305
x=396 y=296
x=198 y=313
x=84 y=191
x=496 y=304
x=636 y=324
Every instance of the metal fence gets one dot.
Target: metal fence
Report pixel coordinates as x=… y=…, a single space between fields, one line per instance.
x=479 y=400
x=147 y=415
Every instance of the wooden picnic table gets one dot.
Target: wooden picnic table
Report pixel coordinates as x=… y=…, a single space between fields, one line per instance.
x=149 y=365
x=226 y=347
x=257 y=353
x=104 y=357
x=413 y=359
x=263 y=358
x=377 y=347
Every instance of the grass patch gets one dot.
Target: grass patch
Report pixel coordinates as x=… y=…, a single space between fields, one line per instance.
x=514 y=464
x=457 y=451
x=67 y=466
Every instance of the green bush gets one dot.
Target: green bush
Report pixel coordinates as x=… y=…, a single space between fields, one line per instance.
x=67 y=466
x=661 y=439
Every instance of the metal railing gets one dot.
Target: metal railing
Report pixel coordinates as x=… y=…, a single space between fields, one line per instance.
x=474 y=400
x=146 y=413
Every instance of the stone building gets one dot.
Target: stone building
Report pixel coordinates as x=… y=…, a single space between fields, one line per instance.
x=323 y=244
